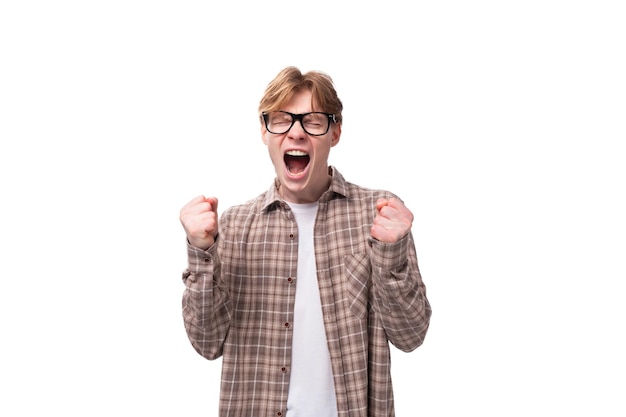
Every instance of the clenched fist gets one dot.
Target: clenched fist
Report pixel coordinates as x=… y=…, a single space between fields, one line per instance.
x=392 y=221
x=199 y=219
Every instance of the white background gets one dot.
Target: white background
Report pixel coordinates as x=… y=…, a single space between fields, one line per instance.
x=501 y=125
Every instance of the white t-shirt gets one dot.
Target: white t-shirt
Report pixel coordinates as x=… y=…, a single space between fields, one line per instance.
x=311 y=387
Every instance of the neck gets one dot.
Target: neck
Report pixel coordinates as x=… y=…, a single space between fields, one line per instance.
x=304 y=196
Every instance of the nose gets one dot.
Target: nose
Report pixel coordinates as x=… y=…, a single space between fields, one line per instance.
x=297 y=131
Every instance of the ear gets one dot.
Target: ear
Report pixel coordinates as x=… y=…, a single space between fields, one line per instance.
x=264 y=133
x=336 y=134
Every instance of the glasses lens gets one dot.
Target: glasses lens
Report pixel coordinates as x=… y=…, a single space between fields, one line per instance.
x=315 y=123
x=278 y=122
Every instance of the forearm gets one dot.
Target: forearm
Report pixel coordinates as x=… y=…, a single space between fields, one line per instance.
x=206 y=310
x=400 y=294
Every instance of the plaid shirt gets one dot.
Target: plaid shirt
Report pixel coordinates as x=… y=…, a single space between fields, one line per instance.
x=239 y=297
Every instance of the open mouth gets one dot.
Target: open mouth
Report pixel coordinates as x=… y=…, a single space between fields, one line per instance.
x=296 y=161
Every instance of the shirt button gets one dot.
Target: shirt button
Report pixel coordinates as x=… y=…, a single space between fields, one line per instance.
x=279 y=414
x=287 y=324
x=290 y=280
x=207 y=260
x=291 y=236
x=283 y=369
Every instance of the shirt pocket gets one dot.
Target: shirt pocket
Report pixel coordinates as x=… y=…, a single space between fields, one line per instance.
x=358 y=273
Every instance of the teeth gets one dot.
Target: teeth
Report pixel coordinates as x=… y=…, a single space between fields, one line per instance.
x=296 y=153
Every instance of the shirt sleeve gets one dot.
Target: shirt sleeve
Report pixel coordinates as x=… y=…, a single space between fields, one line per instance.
x=206 y=308
x=399 y=293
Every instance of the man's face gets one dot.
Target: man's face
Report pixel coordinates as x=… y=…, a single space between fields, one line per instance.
x=301 y=160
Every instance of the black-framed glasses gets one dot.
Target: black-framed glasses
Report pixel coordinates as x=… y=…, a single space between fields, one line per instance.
x=314 y=123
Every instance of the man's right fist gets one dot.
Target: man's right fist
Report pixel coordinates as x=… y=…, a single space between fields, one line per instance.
x=199 y=219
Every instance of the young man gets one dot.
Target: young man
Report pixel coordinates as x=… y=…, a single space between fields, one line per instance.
x=301 y=289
